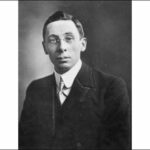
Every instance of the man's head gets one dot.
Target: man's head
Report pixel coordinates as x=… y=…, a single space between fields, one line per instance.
x=63 y=40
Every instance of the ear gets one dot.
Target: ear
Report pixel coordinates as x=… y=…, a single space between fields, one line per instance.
x=84 y=43
x=44 y=47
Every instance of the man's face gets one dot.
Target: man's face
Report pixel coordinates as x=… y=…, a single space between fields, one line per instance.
x=63 y=44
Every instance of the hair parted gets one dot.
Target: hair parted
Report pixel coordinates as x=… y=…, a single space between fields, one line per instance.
x=60 y=15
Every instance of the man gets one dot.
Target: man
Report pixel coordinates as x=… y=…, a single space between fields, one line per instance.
x=76 y=107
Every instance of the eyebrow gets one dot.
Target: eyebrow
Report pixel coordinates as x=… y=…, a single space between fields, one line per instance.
x=52 y=35
x=69 y=33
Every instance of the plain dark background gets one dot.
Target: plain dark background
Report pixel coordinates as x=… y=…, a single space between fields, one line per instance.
x=107 y=27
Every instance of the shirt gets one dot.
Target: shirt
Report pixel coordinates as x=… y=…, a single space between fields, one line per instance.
x=68 y=78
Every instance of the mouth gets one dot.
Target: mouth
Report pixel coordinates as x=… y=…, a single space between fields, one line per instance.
x=62 y=59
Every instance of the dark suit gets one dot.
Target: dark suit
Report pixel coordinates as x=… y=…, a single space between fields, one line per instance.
x=95 y=115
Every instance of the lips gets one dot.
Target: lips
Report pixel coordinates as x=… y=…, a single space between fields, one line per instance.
x=62 y=59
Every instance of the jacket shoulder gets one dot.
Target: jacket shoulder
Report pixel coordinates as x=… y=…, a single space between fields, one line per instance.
x=41 y=82
x=113 y=87
x=106 y=79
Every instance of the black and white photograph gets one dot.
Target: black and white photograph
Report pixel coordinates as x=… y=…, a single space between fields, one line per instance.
x=75 y=75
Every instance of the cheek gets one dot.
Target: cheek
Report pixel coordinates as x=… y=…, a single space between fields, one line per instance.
x=52 y=57
x=51 y=50
x=77 y=50
x=76 y=47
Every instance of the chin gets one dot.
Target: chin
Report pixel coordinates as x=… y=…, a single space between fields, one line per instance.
x=63 y=68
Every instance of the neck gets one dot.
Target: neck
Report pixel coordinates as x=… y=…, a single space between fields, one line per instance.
x=62 y=70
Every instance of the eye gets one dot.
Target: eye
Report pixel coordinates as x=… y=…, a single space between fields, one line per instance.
x=53 y=40
x=69 y=39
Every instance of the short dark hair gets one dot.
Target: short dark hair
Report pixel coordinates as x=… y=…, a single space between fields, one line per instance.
x=60 y=15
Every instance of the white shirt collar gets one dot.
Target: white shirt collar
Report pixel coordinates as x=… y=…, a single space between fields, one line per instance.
x=69 y=76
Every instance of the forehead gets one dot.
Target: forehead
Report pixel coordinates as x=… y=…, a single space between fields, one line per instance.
x=61 y=27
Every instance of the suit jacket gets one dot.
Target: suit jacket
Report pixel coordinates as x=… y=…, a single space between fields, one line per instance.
x=95 y=114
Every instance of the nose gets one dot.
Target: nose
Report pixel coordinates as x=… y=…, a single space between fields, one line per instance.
x=63 y=46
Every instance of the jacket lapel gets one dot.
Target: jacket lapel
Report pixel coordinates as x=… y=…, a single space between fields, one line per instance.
x=82 y=85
